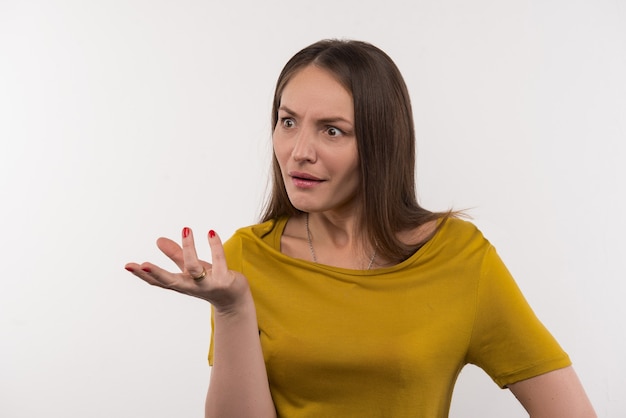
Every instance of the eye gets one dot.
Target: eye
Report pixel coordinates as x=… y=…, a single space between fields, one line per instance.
x=287 y=122
x=334 y=132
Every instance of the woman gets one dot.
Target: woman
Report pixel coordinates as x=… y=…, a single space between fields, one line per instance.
x=349 y=299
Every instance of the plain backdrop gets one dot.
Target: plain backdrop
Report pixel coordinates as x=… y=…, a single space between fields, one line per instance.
x=125 y=120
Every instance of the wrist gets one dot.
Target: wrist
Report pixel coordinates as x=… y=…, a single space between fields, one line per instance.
x=239 y=307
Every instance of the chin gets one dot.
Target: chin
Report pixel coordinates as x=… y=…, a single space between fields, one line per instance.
x=303 y=208
x=303 y=204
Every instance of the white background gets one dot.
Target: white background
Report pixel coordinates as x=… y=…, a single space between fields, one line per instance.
x=121 y=121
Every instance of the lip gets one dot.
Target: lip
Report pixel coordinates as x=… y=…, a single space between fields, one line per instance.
x=304 y=180
x=303 y=176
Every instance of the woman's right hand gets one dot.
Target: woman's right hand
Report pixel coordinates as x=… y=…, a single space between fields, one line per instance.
x=237 y=347
x=214 y=282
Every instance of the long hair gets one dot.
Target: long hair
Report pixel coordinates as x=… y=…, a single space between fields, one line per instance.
x=385 y=141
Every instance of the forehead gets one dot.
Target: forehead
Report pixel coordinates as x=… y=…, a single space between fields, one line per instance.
x=315 y=86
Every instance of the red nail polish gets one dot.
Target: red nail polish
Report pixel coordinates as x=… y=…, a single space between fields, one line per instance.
x=146 y=269
x=129 y=269
x=186 y=232
x=211 y=233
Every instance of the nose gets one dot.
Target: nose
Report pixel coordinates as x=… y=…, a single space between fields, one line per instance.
x=304 y=148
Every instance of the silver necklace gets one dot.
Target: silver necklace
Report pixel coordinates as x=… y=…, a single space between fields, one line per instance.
x=308 y=238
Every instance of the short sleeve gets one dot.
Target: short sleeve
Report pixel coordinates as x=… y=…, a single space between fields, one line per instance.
x=508 y=341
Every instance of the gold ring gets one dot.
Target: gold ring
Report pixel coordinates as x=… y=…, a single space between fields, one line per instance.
x=200 y=277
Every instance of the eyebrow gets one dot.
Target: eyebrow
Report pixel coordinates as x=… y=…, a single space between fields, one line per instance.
x=323 y=120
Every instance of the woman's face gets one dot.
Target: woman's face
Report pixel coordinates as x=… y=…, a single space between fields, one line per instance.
x=314 y=142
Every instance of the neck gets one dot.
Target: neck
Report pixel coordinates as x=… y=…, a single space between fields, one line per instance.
x=332 y=238
x=340 y=230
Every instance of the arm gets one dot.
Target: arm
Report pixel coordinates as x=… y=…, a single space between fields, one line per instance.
x=239 y=385
x=557 y=394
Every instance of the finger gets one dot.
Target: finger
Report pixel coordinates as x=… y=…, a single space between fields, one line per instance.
x=219 y=265
x=159 y=277
x=144 y=273
x=190 y=258
x=173 y=251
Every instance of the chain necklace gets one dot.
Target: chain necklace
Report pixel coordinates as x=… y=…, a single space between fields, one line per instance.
x=308 y=238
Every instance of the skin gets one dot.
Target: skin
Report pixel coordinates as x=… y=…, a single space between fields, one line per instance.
x=314 y=138
x=557 y=394
x=239 y=385
x=316 y=149
x=315 y=146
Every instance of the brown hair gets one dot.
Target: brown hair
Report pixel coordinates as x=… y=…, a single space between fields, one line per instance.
x=385 y=140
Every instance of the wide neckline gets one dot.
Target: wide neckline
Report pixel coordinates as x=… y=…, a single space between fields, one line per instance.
x=278 y=226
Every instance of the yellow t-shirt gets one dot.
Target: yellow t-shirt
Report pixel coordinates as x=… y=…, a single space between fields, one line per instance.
x=388 y=342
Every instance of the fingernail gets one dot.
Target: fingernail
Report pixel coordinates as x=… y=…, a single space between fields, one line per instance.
x=211 y=233
x=146 y=269
x=129 y=269
x=186 y=232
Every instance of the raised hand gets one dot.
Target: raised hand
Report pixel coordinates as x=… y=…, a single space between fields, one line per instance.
x=223 y=288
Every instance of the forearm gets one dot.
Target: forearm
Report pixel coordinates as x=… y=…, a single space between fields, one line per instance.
x=553 y=395
x=239 y=385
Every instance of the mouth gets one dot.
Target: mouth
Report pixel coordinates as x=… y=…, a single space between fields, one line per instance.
x=303 y=176
x=304 y=180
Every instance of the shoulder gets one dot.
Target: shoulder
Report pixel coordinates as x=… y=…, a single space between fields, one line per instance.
x=444 y=229
x=260 y=230
x=266 y=234
x=256 y=240
x=419 y=235
x=454 y=242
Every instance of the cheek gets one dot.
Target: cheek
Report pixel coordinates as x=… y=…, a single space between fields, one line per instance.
x=280 y=152
x=275 y=145
x=353 y=163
